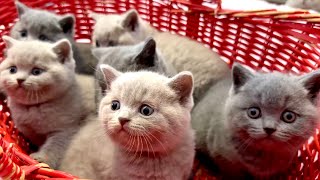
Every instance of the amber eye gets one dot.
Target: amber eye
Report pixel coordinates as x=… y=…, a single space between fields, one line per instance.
x=115 y=105
x=288 y=116
x=254 y=112
x=146 y=110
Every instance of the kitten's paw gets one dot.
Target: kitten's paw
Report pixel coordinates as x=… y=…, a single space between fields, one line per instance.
x=43 y=158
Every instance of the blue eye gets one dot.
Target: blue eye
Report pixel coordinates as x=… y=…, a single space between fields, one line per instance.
x=115 y=105
x=24 y=33
x=13 y=69
x=254 y=112
x=146 y=110
x=36 y=71
x=288 y=116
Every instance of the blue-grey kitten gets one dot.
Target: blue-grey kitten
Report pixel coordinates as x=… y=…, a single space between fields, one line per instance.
x=36 y=24
x=256 y=122
x=143 y=56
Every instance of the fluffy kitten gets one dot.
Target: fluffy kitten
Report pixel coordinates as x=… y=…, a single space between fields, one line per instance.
x=256 y=122
x=304 y=4
x=182 y=52
x=36 y=24
x=43 y=96
x=143 y=132
x=142 y=56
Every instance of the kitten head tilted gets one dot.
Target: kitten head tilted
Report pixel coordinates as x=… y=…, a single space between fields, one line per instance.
x=35 y=72
x=271 y=114
x=114 y=30
x=35 y=24
x=144 y=111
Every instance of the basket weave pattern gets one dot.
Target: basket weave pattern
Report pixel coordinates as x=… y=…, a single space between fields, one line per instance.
x=267 y=39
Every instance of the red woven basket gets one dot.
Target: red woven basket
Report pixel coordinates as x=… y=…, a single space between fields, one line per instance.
x=266 y=39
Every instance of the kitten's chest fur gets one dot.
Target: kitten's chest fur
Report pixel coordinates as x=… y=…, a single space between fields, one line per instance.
x=42 y=119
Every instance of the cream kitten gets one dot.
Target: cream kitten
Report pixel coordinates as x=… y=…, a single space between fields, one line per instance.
x=256 y=122
x=143 y=132
x=43 y=96
x=182 y=52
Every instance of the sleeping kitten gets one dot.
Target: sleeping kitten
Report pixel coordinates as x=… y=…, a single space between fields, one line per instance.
x=256 y=122
x=142 y=56
x=43 y=96
x=182 y=52
x=36 y=24
x=143 y=132
x=304 y=4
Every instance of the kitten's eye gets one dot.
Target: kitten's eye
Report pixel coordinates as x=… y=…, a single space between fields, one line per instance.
x=97 y=44
x=36 y=71
x=146 y=110
x=13 y=69
x=24 y=33
x=43 y=37
x=115 y=105
x=288 y=116
x=254 y=112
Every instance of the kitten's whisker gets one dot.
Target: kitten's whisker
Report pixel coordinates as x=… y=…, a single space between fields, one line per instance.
x=148 y=139
x=159 y=143
x=145 y=135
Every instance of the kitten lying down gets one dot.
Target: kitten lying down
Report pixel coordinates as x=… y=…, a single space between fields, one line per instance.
x=43 y=95
x=256 y=122
x=143 y=131
x=37 y=24
x=182 y=53
x=142 y=56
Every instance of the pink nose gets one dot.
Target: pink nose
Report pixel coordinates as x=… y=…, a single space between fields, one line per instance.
x=123 y=121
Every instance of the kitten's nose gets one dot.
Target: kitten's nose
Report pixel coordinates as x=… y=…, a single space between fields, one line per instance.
x=20 y=81
x=269 y=131
x=123 y=121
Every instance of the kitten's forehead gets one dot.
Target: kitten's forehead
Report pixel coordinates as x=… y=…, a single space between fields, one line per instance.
x=142 y=86
x=106 y=27
x=275 y=89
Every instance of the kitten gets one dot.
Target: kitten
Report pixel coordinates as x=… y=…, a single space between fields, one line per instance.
x=256 y=122
x=182 y=52
x=143 y=132
x=142 y=56
x=36 y=24
x=43 y=96
x=304 y=4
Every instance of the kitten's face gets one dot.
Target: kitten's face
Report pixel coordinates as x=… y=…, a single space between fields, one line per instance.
x=115 y=30
x=41 y=25
x=33 y=73
x=272 y=111
x=141 y=112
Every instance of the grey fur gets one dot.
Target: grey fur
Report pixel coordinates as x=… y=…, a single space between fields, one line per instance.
x=142 y=56
x=46 y=26
x=225 y=132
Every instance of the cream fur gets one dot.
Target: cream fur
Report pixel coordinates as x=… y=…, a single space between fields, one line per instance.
x=159 y=146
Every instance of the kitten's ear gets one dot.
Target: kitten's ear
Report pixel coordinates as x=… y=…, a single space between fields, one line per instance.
x=67 y=22
x=9 y=41
x=94 y=15
x=130 y=20
x=147 y=56
x=240 y=75
x=311 y=82
x=182 y=84
x=63 y=49
x=110 y=74
x=21 y=8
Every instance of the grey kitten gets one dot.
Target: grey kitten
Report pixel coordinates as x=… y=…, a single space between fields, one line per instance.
x=183 y=53
x=43 y=95
x=143 y=56
x=256 y=122
x=144 y=130
x=36 y=24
